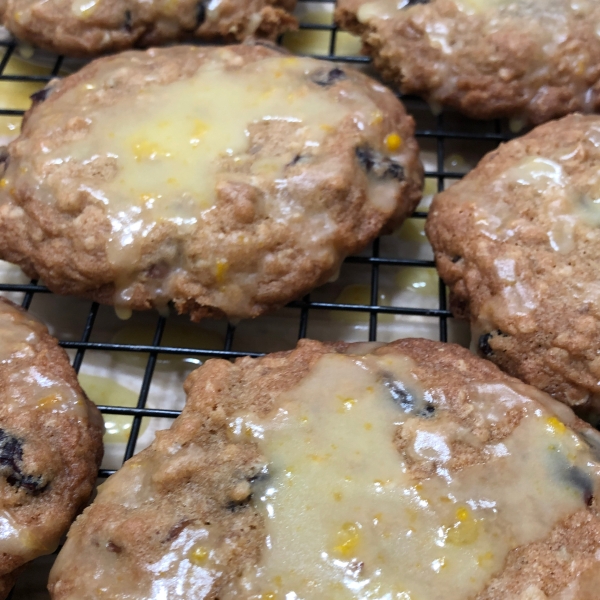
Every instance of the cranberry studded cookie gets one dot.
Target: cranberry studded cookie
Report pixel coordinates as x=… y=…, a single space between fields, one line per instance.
x=50 y=442
x=518 y=242
x=533 y=60
x=407 y=470
x=87 y=28
x=229 y=180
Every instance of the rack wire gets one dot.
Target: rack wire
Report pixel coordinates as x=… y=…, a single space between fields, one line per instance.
x=438 y=133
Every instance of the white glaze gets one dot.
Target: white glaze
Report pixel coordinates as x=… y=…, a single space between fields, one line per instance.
x=346 y=520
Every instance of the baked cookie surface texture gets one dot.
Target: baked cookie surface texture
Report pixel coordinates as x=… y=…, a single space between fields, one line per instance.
x=533 y=60
x=87 y=28
x=229 y=180
x=518 y=242
x=50 y=442
x=407 y=470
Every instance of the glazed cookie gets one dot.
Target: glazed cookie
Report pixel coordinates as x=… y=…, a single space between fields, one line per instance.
x=518 y=242
x=230 y=180
x=533 y=60
x=407 y=470
x=87 y=28
x=50 y=442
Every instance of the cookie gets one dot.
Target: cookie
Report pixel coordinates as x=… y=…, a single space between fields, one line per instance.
x=407 y=470
x=518 y=242
x=50 y=442
x=229 y=180
x=533 y=60
x=87 y=28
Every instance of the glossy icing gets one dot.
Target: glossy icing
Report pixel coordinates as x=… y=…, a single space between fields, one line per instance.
x=345 y=514
x=84 y=8
x=548 y=179
x=554 y=19
x=345 y=518
x=155 y=162
x=568 y=211
x=186 y=569
x=26 y=389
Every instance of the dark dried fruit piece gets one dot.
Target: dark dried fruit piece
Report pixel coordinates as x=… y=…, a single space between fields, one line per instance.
x=294 y=160
x=11 y=458
x=112 y=547
x=379 y=165
x=408 y=401
x=400 y=395
x=128 y=22
x=4 y=158
x=31 y=483
x=11 y=450
x=582 y=481
x=158 y=270
x=299 y=158
x=427 y=411
x=328 y=78
x=484 y=344
x=201 y=13
x=177 y=529
x=591 y=438
x=42 y=94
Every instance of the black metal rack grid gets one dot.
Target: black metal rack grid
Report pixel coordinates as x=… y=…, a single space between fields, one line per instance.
x=436 y=131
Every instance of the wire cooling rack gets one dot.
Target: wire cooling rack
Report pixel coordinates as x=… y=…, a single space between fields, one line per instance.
x=451 y=145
